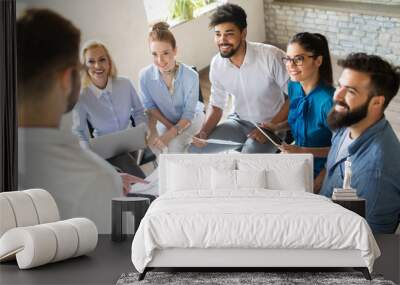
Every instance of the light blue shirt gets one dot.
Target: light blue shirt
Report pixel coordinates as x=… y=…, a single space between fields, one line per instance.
x=183 y=103
x=108 y=110
x=375 y=166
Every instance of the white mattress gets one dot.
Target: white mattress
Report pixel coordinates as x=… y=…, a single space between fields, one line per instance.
x=253 y=218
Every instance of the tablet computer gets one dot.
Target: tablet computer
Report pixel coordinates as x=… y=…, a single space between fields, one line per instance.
x=270 y=135
x=119 y=142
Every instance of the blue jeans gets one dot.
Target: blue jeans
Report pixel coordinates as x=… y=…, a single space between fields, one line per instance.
x=235 y=129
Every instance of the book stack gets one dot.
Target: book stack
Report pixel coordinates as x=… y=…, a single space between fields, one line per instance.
x=344 y=194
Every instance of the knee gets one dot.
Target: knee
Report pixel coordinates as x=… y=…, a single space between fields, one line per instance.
x=177 y=146
x=252 y=146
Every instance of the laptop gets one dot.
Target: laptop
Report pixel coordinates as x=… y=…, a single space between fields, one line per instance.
x=270 y=135
x=116 y=143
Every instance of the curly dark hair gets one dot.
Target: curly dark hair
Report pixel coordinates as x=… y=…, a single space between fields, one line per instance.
x=385 y=78
x=317 y=44
x=229 y=13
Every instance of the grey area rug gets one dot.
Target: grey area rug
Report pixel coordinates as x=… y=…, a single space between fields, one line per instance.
x=243 y=278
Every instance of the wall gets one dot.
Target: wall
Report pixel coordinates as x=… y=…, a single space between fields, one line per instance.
x=385 y=2
x=347 y=31
x=195 y=39
x=122 y=25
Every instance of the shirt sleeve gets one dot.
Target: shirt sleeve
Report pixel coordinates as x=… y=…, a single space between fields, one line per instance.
x=218 y=94
x=79 y=124
x=145 y=94
x=137 y=107
x=191 y=99
x=279 y=71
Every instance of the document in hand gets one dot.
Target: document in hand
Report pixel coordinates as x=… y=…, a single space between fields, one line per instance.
x=270 y=135
x=224 y=142
x=150 y=189
x=113 y=144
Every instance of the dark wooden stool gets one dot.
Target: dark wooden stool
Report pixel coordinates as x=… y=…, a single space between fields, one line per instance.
x=136 y=205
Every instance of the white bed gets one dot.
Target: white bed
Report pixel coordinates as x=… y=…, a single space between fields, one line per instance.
x=203 y=219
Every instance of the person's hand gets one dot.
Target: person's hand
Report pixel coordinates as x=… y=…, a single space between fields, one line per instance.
x=199 y=142
x=257 y=136
x=151 y=136
x=268 y=125
x=290 y=148
x=128 y=180
x=162 y=142
x=200 y=139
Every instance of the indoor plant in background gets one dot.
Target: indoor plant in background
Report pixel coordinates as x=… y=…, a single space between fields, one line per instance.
x=182 y=10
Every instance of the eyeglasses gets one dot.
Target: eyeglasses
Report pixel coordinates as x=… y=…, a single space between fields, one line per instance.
x=297 y=60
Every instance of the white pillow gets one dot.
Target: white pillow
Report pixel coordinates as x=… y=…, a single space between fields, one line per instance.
x=237 y=179
x=183 y=178
x=193 y=176
x=223 y=179
x=293 y=179
x=251 y=178
x=284 y=174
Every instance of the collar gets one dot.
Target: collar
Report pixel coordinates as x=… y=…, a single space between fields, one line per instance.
x=99 y=92
x=157 y=73
x=371 y=131
x=46 y=135
x=249 y=56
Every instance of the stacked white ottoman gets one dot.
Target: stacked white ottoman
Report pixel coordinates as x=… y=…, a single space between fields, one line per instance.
x=31 y=230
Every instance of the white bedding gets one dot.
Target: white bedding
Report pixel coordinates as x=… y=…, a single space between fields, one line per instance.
x=252 y=218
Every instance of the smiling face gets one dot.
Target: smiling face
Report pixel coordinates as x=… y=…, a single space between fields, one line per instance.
x=163 y=55
x=352 y=99
x=98 y=66
x=302 y=65
x=228 y=38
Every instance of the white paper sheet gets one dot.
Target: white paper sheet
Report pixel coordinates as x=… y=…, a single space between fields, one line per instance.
x=151 y=188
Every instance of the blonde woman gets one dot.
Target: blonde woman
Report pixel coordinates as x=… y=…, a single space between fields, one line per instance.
x=170 y=92
x=107 y=102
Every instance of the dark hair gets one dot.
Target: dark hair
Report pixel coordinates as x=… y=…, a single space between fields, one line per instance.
x=160 y=32
x=46 y=43
x=229 y=13
x=317 y=44
x=385 y=78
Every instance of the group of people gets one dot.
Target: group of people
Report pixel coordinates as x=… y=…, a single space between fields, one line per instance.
x=292 y=91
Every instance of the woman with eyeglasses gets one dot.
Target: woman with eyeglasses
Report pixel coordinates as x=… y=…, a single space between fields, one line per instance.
x=310 y=93
x=107 y=102
x=170 y=92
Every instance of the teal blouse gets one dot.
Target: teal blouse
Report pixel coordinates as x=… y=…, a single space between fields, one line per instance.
x=308 y=118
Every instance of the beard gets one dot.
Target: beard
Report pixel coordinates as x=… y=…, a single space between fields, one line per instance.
x=337 y=120
x=230 y=53
x=75 y=90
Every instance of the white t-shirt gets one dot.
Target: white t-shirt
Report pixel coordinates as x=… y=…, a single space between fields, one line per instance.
x=344 y=146
x=257 y=86
x=81 y=183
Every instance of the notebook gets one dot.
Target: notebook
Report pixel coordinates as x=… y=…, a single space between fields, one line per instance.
x=116 y=143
